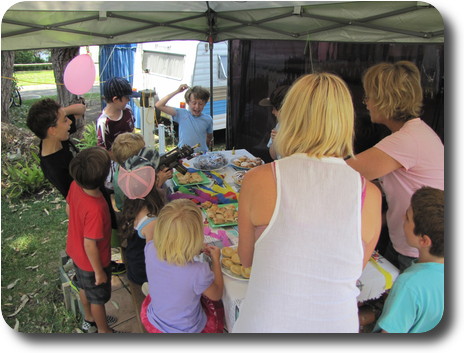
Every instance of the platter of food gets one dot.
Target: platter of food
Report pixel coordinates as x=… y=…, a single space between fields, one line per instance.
x=223 y=215
x=189 y=179
x=231 y=265
x=209 y=161
x=246 y=163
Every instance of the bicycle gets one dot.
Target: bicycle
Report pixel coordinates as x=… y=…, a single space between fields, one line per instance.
x=15 y=99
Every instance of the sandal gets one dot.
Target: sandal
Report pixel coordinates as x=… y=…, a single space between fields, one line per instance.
x=117 y=268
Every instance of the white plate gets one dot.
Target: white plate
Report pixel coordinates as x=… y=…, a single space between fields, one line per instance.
x=233 y=275
x=196 y=162
x=228 y=272
x=231 y=163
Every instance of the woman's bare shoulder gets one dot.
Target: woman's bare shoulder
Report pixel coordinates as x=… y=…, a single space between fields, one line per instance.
x=258 y=174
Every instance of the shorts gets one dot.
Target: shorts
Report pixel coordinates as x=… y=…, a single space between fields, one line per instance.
x=214 y=311
x=100 y=294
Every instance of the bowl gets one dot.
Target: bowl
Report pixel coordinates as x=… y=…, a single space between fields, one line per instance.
x=210 y=161
x=237 y=177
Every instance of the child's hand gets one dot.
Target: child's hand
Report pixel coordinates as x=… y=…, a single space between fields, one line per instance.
x=163 y=176
x=213 y=251
x=100 y=278
x=182 y=87
x=273 y=134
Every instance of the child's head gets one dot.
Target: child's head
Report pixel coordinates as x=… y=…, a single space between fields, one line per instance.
x=137 y=180
x=426 y=217
x=127 y=145
x=196 y=98
x=90 y=167
x=118 y=88
x=178 y=235
x=137 y=174
x=275 y=100
x=42 y=115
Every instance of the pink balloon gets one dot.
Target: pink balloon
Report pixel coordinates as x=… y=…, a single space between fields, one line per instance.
x=79 y=74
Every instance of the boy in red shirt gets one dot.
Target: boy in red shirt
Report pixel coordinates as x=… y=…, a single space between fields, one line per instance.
x=89 y=233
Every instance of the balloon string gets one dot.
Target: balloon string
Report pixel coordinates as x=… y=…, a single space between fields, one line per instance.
x=107 y=61
x=106 y=64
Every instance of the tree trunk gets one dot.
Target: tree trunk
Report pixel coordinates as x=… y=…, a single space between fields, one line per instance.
x=60 y=59
x=7 y=76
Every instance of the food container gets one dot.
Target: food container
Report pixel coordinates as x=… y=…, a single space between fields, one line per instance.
x=237 y=177
x=210 y=161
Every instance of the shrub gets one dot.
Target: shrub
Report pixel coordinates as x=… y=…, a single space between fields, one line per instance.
x=23 y=177
x=89 y=137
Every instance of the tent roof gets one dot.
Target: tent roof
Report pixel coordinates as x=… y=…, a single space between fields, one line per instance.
x=48 y=24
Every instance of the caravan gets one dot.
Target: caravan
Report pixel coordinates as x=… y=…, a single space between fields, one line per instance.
x=163 y=66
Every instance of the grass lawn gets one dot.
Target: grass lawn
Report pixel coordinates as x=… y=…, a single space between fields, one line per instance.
x=32 y=78
x=33 y=235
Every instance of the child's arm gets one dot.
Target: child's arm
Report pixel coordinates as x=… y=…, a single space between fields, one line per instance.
x=75 y=109
x=91 y=250
x=209 y=140
x=272 y=150
x=161 y=104
x=214 y=292
x=148 y=231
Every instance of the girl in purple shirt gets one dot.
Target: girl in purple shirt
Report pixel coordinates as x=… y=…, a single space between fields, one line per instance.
x=183 y=292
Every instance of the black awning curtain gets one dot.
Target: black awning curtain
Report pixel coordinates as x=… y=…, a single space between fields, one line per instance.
x=258 y=66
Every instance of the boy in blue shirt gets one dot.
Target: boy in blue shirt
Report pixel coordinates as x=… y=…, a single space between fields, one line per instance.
x=416 y=301
x=194 y=126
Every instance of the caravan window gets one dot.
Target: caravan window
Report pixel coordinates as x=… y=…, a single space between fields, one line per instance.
x=222 y=67
x=164 y=64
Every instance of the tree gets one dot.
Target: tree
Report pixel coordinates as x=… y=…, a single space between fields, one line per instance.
x=60 y=58
x=7 y=76
x=30 y=56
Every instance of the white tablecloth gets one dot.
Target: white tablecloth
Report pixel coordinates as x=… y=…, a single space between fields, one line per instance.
x=377 y=277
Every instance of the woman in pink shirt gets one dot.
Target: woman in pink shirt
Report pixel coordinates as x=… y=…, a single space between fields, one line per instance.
x=411 y=157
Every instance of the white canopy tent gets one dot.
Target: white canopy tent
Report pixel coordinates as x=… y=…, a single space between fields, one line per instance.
x=49 y=24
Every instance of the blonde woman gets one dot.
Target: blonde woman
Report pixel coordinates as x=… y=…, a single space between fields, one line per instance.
x=411 y=157
x=183 y=293
x=321 y=220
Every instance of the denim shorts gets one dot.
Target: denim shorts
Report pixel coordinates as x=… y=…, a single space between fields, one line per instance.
x=85 y=280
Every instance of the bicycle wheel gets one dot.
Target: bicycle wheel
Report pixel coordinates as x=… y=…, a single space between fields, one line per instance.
x=16 y=98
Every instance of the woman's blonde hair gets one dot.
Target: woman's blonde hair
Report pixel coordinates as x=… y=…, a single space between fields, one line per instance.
x=317 y=118
x=394 y=89
x=178 y=235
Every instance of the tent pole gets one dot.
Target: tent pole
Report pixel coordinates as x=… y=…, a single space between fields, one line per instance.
x=211 y=21
x=211 y=81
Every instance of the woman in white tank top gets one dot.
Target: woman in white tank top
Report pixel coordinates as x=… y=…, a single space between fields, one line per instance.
x=318 y=235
